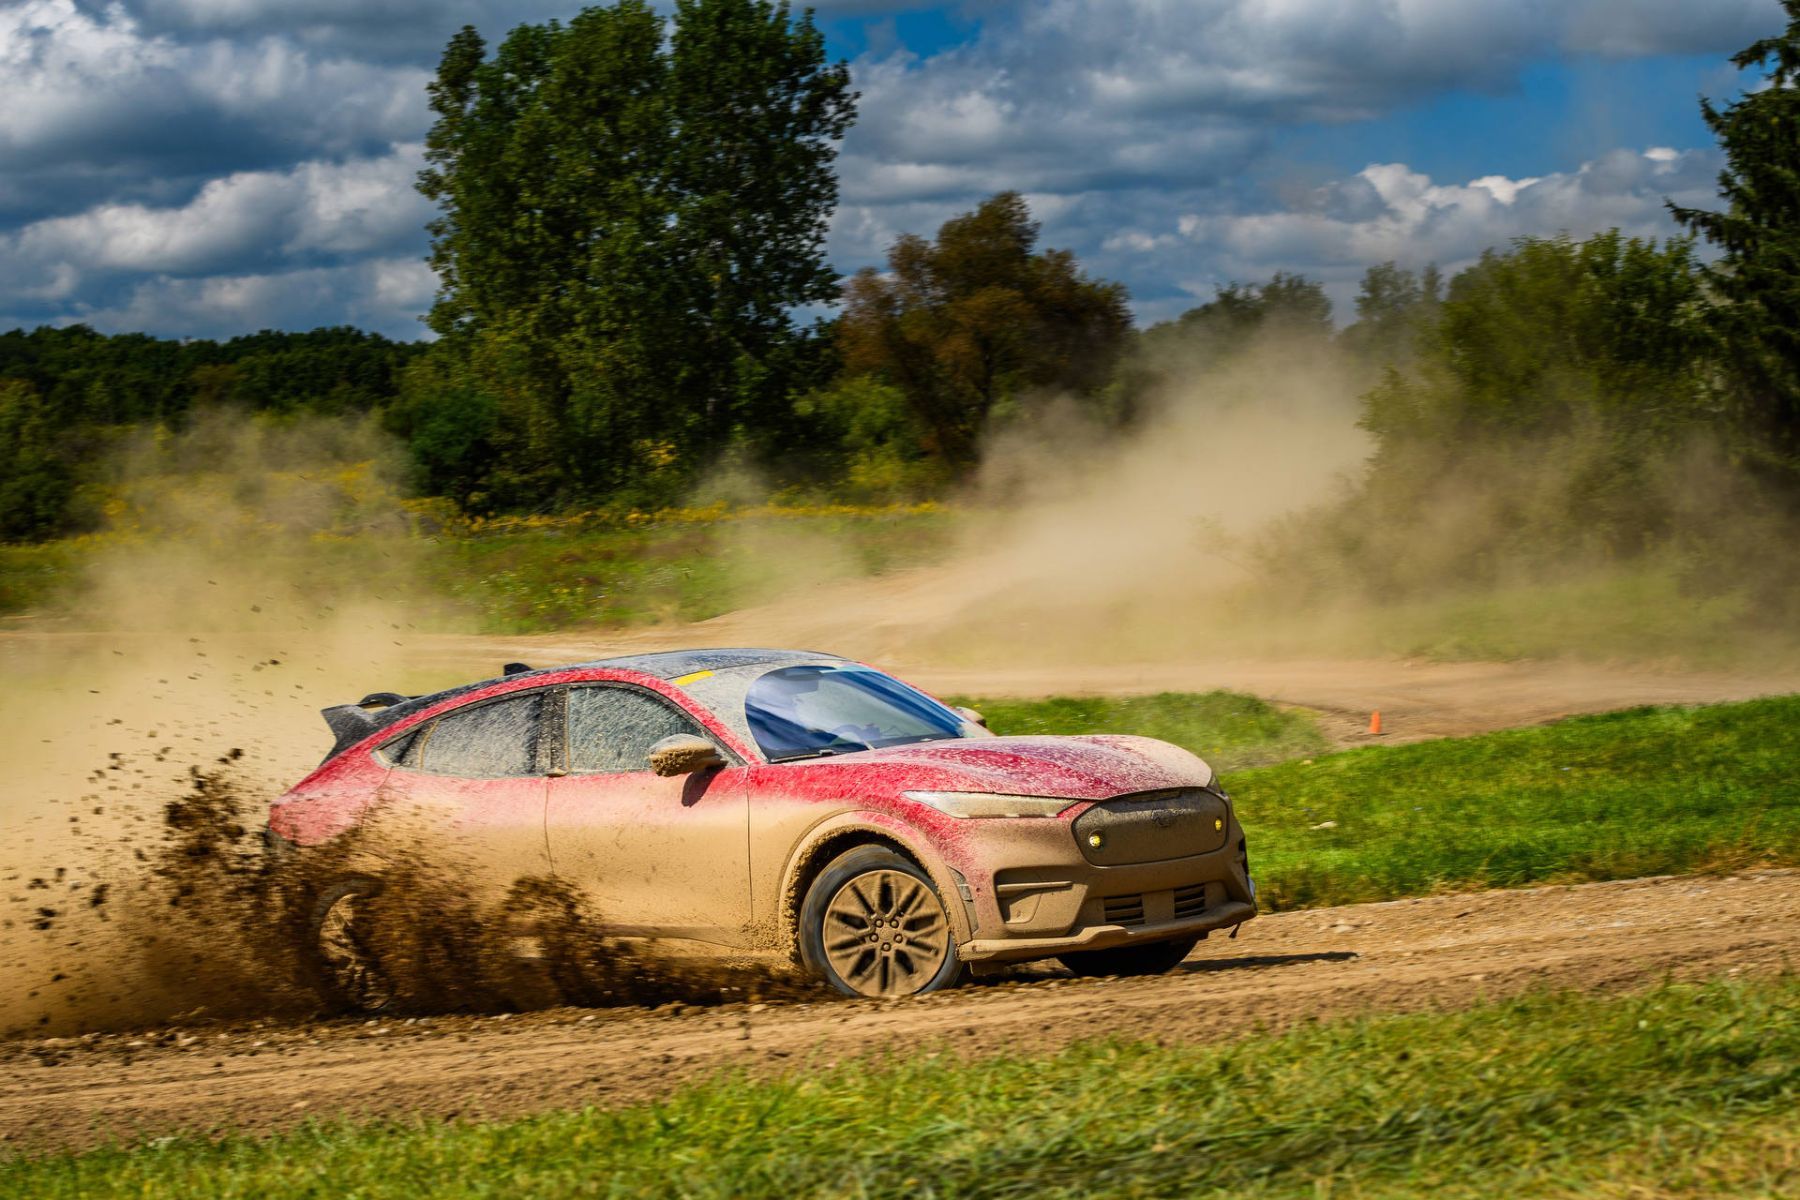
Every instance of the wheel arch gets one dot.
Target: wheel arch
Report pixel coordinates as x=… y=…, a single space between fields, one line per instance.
x=846 y=833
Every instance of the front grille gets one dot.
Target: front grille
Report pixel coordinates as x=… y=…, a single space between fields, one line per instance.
x=1190 y=901
x=1152 y=827
x=1124 y=910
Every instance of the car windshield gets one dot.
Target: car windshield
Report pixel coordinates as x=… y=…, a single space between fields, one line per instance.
x=805 y=712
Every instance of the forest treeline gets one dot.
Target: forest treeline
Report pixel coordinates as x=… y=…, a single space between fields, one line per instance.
x=632 y=212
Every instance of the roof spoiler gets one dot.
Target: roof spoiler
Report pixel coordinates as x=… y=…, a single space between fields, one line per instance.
x=349 y=723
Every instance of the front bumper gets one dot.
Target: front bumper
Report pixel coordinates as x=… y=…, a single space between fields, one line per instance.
x=1102 y=937
x=1029 y=892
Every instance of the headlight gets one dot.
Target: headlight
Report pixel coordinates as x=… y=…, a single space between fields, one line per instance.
x=991 y=804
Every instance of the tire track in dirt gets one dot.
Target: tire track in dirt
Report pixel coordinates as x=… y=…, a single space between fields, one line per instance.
x=1435 y=952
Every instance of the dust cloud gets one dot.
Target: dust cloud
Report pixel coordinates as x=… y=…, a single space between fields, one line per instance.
x=1127 y=548
x=1238 y=519
x=249 y=570
x=253 y=572
x=1081 y=545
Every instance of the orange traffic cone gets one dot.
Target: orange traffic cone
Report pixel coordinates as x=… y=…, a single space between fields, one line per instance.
x=1375 y=722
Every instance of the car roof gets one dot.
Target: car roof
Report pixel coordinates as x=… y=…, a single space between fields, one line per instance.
x=673 y=664
x=352 y=723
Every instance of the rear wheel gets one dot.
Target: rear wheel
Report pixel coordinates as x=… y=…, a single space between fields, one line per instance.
x=873 y=924
x=339 y=953
x=1150 y=959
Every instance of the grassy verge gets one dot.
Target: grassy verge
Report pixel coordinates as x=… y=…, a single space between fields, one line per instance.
x=529 y=580
x=1626 y=614
x=540 y=574
x=1649 y=791
x=1228 y=729
x=35 y=577
x=1679 y=1091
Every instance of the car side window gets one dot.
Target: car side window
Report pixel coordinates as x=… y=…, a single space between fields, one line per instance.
x=611 y=729
x=484 y=741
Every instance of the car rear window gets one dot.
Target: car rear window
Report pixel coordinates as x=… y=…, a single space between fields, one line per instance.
x=611 y=729
x=407 y=749
x=486 y=741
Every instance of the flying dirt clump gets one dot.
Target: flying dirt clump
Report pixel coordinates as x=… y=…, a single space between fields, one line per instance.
x=206 y=924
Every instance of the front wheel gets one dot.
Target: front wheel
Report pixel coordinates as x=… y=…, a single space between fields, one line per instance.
x=872 y=924
x=1153 y=958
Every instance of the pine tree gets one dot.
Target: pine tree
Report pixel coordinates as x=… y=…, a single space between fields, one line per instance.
x=1757 y=277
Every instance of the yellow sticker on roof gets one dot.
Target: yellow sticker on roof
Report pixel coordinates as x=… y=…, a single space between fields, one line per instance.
x=690 y=677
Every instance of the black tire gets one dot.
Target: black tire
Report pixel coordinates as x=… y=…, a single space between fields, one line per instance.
x=894 y=931
x=1151 y=958
x=340 y=961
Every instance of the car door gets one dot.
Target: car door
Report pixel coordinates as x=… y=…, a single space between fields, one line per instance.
x=658 y=857
x=467 y=790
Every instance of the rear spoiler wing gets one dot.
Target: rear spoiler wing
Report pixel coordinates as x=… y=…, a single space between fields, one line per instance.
x=351 y=723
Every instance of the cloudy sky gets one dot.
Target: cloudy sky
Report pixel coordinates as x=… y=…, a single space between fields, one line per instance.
x=211 y=167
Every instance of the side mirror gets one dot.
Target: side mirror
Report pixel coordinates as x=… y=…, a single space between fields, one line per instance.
x=971 y=716
x=683 y=754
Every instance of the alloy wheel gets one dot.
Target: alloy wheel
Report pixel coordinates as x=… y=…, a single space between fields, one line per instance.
x=886 y=933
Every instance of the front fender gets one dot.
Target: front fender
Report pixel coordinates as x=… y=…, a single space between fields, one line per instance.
x=837 y=833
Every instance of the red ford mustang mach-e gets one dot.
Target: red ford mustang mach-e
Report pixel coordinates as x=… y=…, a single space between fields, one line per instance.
x=783 y=803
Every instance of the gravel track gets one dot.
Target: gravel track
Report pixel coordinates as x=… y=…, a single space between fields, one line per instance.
x=1437 y=952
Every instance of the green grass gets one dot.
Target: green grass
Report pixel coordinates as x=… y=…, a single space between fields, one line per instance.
x=537 y=579
x=1682 y=1090
x=542 y=574
x=1228 y=729
x=34 y=577
x=542 y=580
x=1633 y=613
x=1648 y=791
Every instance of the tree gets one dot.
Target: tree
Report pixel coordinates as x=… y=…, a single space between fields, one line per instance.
x=1554 y=333
x=1291 y=307
x=1392 y=308
x=36 y=480
x=1544 y=394
x=1757 y=276
x=1289 y=315
x=978 y=318
x=626 y=224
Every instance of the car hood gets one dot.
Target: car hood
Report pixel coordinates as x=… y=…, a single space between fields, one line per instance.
x=1078 y=768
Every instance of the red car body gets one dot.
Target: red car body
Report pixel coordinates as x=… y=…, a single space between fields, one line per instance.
x=726 y=856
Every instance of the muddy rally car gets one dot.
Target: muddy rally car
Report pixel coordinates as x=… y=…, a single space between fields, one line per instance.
x=770 y=804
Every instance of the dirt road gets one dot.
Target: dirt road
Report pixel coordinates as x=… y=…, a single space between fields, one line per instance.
x=1443 y=951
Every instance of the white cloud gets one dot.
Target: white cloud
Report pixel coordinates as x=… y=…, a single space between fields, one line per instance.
x=1417 y=220
x=80 y=86
x=317 y=211
x=1073 y=94
x=1388 y=211
x=165 y=160
x=385 y=295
